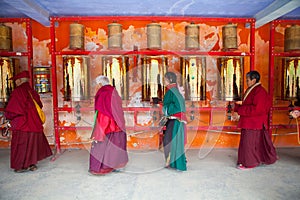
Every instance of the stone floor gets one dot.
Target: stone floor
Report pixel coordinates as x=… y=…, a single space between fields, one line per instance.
x=211 y=175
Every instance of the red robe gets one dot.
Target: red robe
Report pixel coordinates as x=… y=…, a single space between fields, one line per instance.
x=28 y=144
x=254 y=111
x=110 y=116
x=255 y=145
x=109 y=148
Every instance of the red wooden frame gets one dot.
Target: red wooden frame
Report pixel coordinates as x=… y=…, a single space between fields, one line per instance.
x=272 y=55
x=54 y=53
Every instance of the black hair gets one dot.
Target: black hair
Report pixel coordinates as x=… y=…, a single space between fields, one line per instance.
x=253 y=75
x=171 y=76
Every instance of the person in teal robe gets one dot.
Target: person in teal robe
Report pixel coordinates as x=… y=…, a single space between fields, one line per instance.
x=174 y=134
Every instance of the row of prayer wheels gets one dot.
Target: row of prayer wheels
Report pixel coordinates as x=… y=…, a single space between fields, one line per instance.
x=229 y=36
x=153 y=36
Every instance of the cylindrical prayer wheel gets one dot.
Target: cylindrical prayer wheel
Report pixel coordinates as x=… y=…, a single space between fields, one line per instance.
x=291 y=90
x=115 y=36
x=116 y=68
x=6 y=38
x=9 y=68
x=154 y=36
x=292 y=38
x=230 y=86
x=76 y=36
x=76 y=78
x=229 y=36
x=41 y=78
x=192 y=36
x=193 y=72
x=153 y=71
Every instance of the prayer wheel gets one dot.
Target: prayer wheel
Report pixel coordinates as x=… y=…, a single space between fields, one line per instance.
x=9 y=68
x=76 y=36
x=193 y=72
x=229 y=36
x=41 y=78
x=116 y=69
x=153 y=71
x=115 y=36
x=292 y=38
x=192 y=36
x=291 y=88
x=154 y=36
x=76 y=78
x=230 y=86
x=6 y=38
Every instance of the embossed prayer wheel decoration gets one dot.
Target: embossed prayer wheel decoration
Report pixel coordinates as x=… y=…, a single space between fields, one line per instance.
x=229 y=36
x=292 y=38
x=9 y=68
x=193 y=72
x=42 y=79
x=154 y=36
x=116 y=69
x=76 y=78
x=5 y=38
x=115 y=36
x=230 y=86
x=192 y=36
x=153 y=71
x=291 y=79
x=77 y=36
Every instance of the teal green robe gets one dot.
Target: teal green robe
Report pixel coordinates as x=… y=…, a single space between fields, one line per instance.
x=174 y=103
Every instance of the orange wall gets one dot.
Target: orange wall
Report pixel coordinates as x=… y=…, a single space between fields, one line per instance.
x=134 y=33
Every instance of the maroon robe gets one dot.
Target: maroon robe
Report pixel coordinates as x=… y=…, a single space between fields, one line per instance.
x=109 y=148
x=255 y=146
x=254 y=111
x=28 y=143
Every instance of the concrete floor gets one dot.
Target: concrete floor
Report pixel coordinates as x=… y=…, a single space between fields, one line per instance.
x=211 y=175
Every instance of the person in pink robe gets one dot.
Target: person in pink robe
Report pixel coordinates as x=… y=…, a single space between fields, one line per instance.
x=109 y=147
x=28 y=143
x=255 y=147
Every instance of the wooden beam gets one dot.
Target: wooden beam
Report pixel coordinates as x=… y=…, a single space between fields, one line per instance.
x=31 y=9
x=275 y=10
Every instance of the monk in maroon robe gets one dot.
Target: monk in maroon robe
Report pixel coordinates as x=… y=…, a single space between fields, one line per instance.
x=28 y=143
x=109 y=146
x=255 y=146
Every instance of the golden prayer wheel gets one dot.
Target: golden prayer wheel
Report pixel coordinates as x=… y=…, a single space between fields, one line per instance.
x=153 y=71
x=5 y=38
x=116 y=68
x=115 y=36
x=229 y=36
x=76 y=78
x=154 y=36
x=291 y=88
x=193 y=72
x=192 y=36
x=9 y=68
x=76 y=36
x=42 y=79
x=230 y=86
x=292 y=38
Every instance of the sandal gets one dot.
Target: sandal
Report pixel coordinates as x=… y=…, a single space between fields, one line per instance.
x=20 y=170
x=240 y=166
x=33 y=167
x=96 y=173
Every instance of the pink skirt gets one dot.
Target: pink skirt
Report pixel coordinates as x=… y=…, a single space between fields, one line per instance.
x=110 y=154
